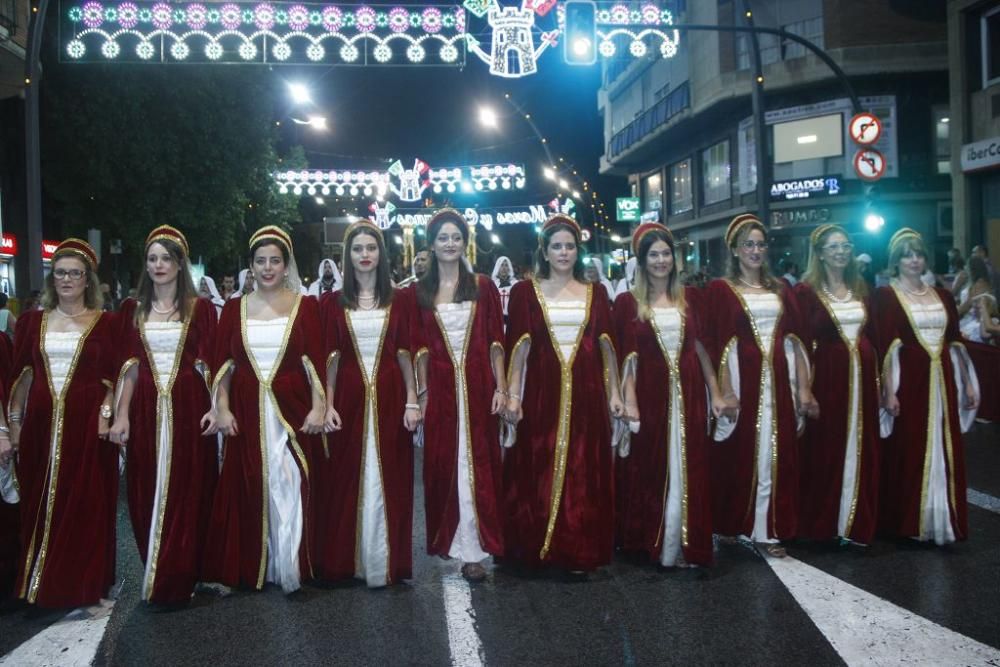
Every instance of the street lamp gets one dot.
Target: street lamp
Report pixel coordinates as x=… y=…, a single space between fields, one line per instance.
x=317 y=123
x=300 y=93
x=488 y=117
x=549 y=174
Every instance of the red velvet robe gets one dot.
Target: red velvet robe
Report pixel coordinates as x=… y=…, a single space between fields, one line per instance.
x=236 y=547
x=441 y=422
x=825 y=439
x=340 y=529
x=560 y=495
x=186 y=496
x=9 y=513
x=905 y=451
x=734 y=460
x=67 y=526
x=642 y=477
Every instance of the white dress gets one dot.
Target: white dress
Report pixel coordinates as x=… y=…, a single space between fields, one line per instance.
x=284 y=481
x=372 y=552
x=454 y=318
x=162 y=339
x=566 y=319
x=765 y=310
x=669 y=329
x=930 y=321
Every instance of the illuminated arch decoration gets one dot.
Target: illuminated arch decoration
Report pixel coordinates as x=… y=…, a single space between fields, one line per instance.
x=408 y=184
x=275 y=33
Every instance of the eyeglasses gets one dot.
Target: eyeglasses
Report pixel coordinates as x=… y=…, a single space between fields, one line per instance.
x=839 y=247
x=72 y=274
x=750 y=245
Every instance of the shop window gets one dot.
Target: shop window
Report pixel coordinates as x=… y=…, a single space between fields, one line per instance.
x=942 y=139
x=681 y=199
x=652 y=192
x=990 y=35
x=715 y=173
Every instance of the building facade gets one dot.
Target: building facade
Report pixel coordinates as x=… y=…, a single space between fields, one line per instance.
x=974 y=73
x=682 y=129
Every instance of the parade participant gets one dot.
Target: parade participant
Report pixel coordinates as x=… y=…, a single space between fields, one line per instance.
x=372 y=393
x=417 y=269
x=931 y=394
x=503 y=278
x=328 y=279
x=228 y=286
x=753 y=323
x=268 y=389
x=663 y=492
x=246 y=284
x=60 y=410
x=563 y=382
x=626 y=283
x=595 y=274
x=838 y=464
x=458 y=333
x=207 y=290
x=163 y=400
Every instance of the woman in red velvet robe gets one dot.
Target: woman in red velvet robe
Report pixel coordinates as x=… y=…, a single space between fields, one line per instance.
x=458 y=333
x=60 y=407
x=663 y=485
x=753 y=324
x=166 y=341
x=931 y=397
x=840 y=453
x=563 y=382
x=367 y=530
x=270 y=405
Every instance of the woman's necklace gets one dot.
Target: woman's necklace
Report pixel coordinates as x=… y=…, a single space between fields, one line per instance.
x=833 y=297
x=370 y=300
x=163 y=312
x=67 y=315
x=906 y=289
x=740 y=278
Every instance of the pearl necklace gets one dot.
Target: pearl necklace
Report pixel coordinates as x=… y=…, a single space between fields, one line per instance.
x=906 y=289
x=833 y=297
x=162 y=312
x=373 y=300
x=67 y=315
x=740 y=278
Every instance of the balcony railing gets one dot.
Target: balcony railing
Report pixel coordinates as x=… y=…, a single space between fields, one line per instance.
x=8 y=16
x=660 y=113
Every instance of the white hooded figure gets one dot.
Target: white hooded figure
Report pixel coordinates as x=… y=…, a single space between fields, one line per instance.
x=241 y=284
x=328 y=279
x=208 y=290
x=603 y=279
x=626 y=283
x=504 y=283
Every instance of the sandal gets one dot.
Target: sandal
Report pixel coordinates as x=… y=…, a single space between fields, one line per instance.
x=775 y=550
x=474 y=572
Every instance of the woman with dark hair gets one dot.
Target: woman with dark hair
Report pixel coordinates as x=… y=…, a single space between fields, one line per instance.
x=563 y=383
x=663 y=492
x=929 y=383
x=977 y=289
x=163 y=401
x=268 y=390
x=60 y=410
x=458 y=334
x=372 y=393
x=839 y=459
x=755 y=343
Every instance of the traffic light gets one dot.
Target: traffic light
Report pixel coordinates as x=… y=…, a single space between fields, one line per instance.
x=580 y=44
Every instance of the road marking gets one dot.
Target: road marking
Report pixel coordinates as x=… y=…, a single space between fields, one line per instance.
x=867 y=630
x=463 y=640
x=71 y=641
x=984 y=500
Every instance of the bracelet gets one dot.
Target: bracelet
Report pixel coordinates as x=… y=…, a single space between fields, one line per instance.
x=501 y=392
x=412 y=406
x=514 y=396
x=14 y=417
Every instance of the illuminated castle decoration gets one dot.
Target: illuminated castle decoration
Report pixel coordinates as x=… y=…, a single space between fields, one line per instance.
x=411 y=181
x=381 y=214
x=512 y=51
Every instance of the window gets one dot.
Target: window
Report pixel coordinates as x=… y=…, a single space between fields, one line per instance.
x=942 y=139
x=681 y=199
x=811 y=29
x=715 y=173
x=990 y=31
x=652 y=192
x=769 y=50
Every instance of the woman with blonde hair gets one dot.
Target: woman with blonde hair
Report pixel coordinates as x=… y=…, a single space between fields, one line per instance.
x=754 y=337
x=60 y=411
x=563 y=385
x=163 y=404
x=931 y=395
x=269 y=402
x=839 y=462
x=663 y=489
